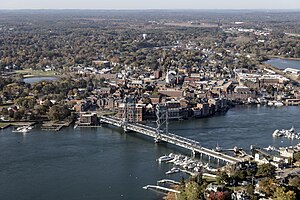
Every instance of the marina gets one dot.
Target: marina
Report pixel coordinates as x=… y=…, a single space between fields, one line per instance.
x=290 y=134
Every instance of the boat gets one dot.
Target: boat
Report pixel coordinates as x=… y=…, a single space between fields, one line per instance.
x=23 y=129
x=289 y=133
x=173 y=171
x=275 y=103
x=277 y=133
x=270 y=148
x=218 y=148
x=164 y=159
x=278 y=103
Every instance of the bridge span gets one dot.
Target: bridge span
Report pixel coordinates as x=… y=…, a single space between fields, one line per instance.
x=174 y=139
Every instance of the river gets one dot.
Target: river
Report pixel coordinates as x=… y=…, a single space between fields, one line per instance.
x=104 y=163
x=283 y=63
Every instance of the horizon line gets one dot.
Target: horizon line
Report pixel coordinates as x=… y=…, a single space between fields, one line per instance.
x=136 y=9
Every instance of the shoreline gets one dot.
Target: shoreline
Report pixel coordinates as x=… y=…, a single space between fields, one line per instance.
x=283 y=58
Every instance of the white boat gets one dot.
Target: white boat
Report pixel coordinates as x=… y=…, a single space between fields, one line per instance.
x=276 y=133
x=23 y=129
x=173 y=170
x=164 y=159
x=290 y=134
x=275 y=103
x=270 y=148
x=278 y=104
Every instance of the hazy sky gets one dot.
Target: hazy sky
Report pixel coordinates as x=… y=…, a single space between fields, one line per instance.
x=150 y=4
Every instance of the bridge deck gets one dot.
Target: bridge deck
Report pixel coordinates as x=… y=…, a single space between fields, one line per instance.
x=172 y=139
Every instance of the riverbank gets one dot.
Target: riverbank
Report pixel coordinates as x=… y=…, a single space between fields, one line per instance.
x=283 y=58
x=4 y=125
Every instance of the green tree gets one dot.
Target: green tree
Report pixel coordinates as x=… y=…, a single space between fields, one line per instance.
x=267 y=186
x=222 y=178
x=266 y=170
x=191 y=191
x=58 y=112
x=295 y=182
x=280 y=194
x=297 y=156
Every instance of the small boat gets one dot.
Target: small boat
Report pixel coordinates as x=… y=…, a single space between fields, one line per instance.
x=164 y=159
x=23 y=129
x=278 y=104
x=173 y=171
x=276 y=133
x=218 y=148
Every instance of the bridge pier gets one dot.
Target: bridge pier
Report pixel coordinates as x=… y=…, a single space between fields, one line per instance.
x=195 y=154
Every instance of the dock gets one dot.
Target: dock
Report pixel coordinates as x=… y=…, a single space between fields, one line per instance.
x=168 y=181
x=170 y=138
x=160 y=188
x=51 y=126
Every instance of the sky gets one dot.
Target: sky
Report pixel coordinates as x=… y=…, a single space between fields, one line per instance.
x=149 y=4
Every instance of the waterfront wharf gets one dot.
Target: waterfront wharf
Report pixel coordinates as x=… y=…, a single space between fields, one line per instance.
x=160 y=188
x=55 y=126
x=168 y=181
x=170 y=138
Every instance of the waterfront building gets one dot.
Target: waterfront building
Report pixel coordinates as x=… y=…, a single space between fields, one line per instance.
x=135 y=112
x=88 y=119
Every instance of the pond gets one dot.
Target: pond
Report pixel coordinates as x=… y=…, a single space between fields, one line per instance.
x=39 y=79
x=283 y=63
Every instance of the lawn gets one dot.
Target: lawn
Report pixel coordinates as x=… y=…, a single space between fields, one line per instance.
x=3 y=124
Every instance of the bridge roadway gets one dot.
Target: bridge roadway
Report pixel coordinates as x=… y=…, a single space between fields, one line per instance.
x=177 y=140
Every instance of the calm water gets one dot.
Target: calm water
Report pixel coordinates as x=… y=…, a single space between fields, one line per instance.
x=103 y=163
x=283 y=64
x=38 y=79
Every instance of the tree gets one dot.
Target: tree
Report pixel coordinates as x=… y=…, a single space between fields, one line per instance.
x=58 y=112
x=250 y=191
x=295 y=182
x=266 y=170
x=280 y=194
x=267 y=186
x=191 y=191
x=297 y=156
x=222 y=178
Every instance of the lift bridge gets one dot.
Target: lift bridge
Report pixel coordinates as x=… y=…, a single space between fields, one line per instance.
x=162 y=134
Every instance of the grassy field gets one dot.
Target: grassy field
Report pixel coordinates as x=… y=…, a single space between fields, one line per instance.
x=3 y=124
x=33 y=73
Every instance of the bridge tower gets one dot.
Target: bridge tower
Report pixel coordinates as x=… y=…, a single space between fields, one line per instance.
x=129 y=112
x=162 y=121
x=124 y=122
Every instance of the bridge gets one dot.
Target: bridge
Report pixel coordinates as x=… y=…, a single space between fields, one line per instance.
x=160 y=135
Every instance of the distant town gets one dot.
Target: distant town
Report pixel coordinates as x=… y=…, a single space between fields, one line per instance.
x=59 y=70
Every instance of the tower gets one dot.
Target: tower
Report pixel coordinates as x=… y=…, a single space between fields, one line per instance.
x=162 y=121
